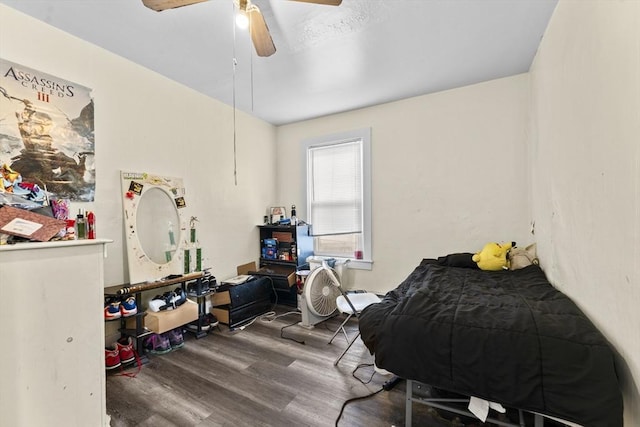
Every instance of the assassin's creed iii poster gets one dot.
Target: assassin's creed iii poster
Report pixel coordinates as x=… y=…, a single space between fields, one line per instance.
x=47 y=141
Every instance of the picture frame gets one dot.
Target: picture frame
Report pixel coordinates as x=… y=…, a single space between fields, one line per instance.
x=277 y=213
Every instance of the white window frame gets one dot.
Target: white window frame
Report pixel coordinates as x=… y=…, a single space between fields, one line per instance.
x=365 y=135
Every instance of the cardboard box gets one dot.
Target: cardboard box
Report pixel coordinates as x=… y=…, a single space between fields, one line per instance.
x=246 y=268
x=221 y=298
x=163 y=321
x=222 y=314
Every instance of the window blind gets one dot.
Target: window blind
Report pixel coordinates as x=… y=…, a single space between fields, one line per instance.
x=335 y=188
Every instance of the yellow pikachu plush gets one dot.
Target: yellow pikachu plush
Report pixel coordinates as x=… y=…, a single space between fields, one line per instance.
x=493 y=256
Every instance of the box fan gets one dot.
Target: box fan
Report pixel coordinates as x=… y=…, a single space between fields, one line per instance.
x=318 y=299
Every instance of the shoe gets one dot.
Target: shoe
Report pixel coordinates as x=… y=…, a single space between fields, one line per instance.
x=213 y=320
x=170 y=298
x=125 y=349
x=176 y=340
x=111 y=309
x=128 y=307
x=179 y=298
x=157 y=344
x=199 y=286
x=158 y=303
x=111 y=358
x=206 y=322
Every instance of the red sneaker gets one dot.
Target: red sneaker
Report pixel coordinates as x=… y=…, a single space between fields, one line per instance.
x=111 y=358
x=124 y=346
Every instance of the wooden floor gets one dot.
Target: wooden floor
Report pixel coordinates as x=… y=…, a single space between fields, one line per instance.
x=253 y=377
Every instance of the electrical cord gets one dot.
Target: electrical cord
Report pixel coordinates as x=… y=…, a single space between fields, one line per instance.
x=387 y=386
x=353 y=399
x=363 y=365
x=270 y=317
x=275 y=294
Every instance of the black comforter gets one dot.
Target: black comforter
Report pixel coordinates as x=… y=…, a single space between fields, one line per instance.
x=505 y=336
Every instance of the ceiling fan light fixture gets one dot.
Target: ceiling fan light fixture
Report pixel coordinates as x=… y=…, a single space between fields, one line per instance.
x=248 y=16
x=242 y=20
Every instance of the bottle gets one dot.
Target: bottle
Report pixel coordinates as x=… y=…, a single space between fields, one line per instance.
x=294 y=218
x=91 y=225
x=81 y=225
x=294 y=252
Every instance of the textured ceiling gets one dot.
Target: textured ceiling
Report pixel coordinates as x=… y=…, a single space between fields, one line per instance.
x=328 y=59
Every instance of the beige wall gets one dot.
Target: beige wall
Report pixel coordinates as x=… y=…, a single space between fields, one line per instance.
x=449 y=174
x=585 y=157
x=145 y=122
x=451 y=171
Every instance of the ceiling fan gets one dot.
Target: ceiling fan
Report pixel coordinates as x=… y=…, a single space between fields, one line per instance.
x=258 y=29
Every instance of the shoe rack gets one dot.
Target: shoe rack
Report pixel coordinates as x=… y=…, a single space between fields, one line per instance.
x=139 y=332
x=200 y=289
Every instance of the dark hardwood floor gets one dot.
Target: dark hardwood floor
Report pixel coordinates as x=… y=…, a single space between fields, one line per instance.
x=253 y=377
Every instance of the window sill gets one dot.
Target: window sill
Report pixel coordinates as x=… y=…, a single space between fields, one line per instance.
x=360 y=264
x=355 y=264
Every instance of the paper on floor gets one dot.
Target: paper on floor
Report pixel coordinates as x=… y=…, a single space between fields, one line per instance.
x=480 y=407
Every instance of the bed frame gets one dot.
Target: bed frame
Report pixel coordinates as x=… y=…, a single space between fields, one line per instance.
x=415 y=394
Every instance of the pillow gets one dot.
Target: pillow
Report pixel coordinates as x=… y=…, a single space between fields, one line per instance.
x=462 y=260
x=522 y=257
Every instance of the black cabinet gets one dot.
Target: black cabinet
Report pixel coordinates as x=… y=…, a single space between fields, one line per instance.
x=283 y=250
x=235 y=305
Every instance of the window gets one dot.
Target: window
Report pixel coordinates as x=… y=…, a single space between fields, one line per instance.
x=338 y=172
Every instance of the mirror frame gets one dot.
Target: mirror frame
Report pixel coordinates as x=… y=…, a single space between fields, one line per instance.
x=134 y=186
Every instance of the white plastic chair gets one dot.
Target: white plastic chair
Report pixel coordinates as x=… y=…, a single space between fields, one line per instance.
x=352 y=305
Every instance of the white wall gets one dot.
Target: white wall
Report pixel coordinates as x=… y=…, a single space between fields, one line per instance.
x=449 y=174
x=147 y=123
x=585 y=157
x=450 y=170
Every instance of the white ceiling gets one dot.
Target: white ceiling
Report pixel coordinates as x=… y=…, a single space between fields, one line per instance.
x=328 y=59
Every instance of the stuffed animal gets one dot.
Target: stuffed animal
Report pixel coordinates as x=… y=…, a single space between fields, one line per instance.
x=522 y=257
x=493 y=257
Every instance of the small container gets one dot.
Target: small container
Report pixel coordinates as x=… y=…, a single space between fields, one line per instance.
x=81 y=226
x=70 y=230
x=91 y=225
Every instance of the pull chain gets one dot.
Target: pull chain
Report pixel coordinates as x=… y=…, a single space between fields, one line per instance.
x=235 y=62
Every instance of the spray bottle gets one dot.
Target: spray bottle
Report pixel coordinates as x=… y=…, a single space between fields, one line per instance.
x=91 y=225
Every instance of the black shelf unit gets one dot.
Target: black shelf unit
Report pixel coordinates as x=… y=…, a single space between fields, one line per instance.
x=201 y=299
x=294 y=244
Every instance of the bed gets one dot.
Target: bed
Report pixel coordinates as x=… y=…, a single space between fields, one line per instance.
x=507 y=336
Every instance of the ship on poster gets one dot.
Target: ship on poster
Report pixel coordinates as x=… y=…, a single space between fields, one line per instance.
x=47 y=143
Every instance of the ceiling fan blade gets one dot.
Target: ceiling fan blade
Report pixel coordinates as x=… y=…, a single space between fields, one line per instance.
x=160 y=5
x=260 y=36
x=327 y=2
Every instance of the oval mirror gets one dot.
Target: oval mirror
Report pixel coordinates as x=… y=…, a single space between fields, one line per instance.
x=153 y=207
x=156 y=220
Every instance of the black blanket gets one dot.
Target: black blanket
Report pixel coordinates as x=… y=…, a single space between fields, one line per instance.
x=505 y=336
